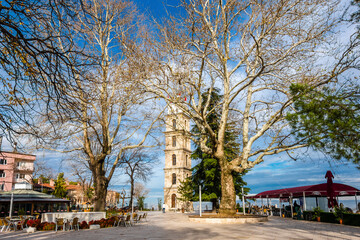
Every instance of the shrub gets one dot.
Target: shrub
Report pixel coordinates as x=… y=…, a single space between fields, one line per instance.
x=84 y=225
x=317 y=212
x=351 y=219
x=34 y=223
x=104 y=223
x=46 y=226
x=339 y=212
x=348 y=218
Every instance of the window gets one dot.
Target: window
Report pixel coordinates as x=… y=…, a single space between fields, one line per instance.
x=174 y=178
x=2 y=173
x=174 y=159
x=186 y=160
x=174 y=141
x=20 y=164
x=3 y=161
x=2 y=187
x=174 y=123
x=20 y=176
x=185 y=125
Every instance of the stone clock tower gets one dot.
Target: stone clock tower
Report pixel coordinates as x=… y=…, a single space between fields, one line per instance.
x=177 y=157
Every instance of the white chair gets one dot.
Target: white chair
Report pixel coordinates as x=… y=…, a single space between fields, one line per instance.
x=60 y=222
x=10 y=224
x=144 y=216
x=3 y=224
x=128 y=221
x=137 y=218
x=74 y=224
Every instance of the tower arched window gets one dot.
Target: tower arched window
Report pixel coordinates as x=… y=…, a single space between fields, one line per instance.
x=174 y=159
x=186 y=158
x=174 y=123
x=185 y=126
x=174 y=141
x=174 y=178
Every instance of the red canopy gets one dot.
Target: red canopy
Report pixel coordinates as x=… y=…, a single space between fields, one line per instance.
x=311 y=190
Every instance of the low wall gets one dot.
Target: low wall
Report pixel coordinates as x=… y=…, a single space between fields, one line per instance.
x=239 y=220
x=83 y=216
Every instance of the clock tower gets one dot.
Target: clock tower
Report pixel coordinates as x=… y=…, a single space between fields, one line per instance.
x=177 y=156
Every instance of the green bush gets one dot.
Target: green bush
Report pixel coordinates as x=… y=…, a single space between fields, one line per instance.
x=339 y=212
x=328 y=217
x=317 y=212
x=348 y=218
x=241 y=210
x=351 y=219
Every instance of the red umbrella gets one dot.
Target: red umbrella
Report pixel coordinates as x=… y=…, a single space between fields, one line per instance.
x=330 y=190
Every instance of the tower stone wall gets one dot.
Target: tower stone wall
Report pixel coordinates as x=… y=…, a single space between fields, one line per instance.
x=177 y=157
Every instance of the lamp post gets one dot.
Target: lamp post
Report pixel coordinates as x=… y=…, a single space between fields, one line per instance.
x=200 y=199
x=243 y=199
x=11 y=204
x=122 y=195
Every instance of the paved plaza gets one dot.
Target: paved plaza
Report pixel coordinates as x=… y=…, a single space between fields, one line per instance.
x=177 y=226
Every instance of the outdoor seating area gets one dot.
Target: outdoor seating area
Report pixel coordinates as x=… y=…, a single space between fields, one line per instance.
x=128 y=220
x=308 y=202
x=18 y=223
x=15 y=223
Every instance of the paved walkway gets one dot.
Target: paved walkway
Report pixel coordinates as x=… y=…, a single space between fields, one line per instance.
x=177 y=226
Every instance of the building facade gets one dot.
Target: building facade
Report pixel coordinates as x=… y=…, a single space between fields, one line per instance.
x=177 y=157
x=15 y=168
x=76 y=192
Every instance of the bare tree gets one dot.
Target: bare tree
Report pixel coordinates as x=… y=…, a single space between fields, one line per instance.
x=41 y=168
x=32 y=62
x=108 y=112
x=80 y=170
x=137 y=165
x=253 y=51
x=140 y=194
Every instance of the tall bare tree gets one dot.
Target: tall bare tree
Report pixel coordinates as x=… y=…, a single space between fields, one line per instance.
x=252 y=51
x=137 y=164
x=108 y=112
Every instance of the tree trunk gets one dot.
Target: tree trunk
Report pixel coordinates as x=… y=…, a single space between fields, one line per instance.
x=131 y=192
x=100 y=185
x=228 y=195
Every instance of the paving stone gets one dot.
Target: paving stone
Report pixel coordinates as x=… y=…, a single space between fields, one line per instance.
x=177 y=226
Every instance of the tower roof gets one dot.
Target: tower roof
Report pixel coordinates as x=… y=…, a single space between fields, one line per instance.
x=173 y=109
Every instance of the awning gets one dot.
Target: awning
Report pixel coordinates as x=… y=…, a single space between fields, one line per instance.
x=318 y=190
x=29 y=196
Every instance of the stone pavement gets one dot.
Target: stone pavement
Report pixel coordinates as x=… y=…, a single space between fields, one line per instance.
x=177 y=226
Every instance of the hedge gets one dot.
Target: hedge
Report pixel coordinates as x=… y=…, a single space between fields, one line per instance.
x=349 y=218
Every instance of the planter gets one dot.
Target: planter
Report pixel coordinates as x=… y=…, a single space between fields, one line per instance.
x=318 y=219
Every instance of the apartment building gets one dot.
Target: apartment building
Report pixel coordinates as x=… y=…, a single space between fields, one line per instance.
x=15 y=168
